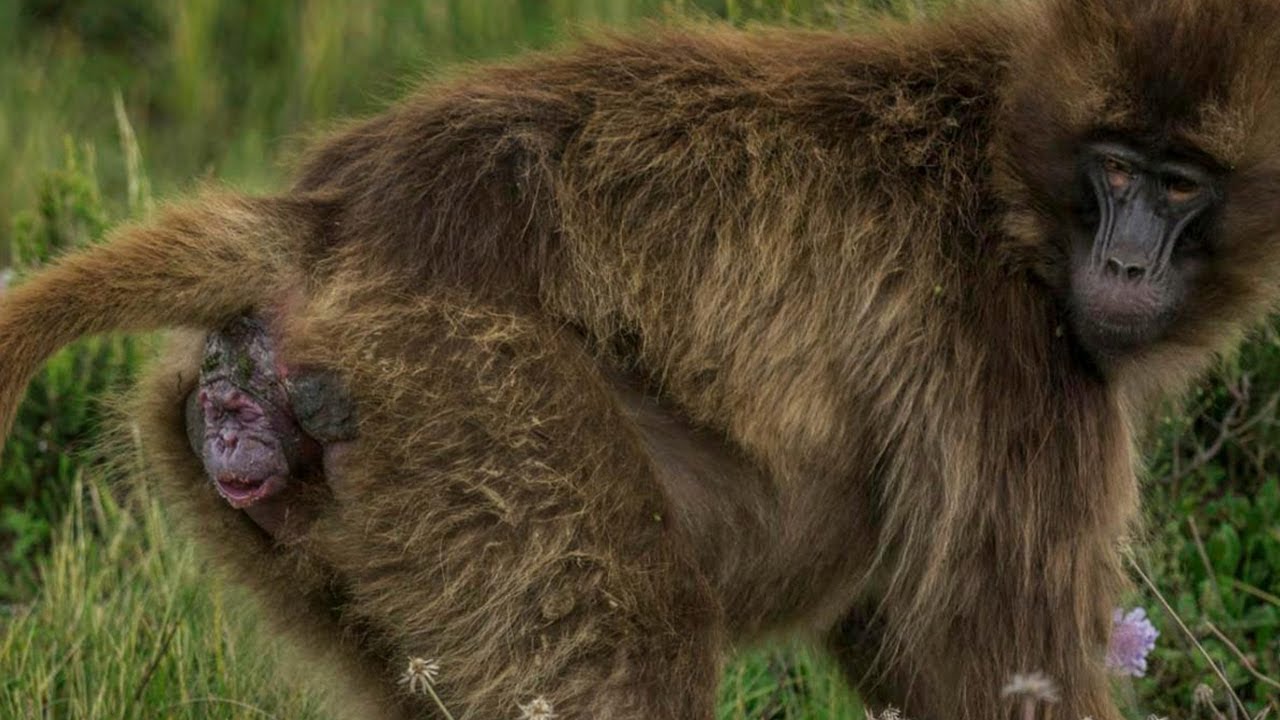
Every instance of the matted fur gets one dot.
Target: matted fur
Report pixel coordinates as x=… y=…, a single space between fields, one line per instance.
x=661 y=345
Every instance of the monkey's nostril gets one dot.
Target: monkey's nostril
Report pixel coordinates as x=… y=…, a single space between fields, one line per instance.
x=1125 y=270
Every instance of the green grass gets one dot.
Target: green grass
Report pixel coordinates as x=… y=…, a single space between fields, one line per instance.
x=226 y=89
x=129 y=623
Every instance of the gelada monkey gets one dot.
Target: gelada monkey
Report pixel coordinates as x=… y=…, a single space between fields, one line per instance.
x=588 y=367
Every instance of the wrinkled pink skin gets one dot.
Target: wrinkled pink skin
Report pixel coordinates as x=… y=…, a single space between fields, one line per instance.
x=252 y=451
x=264 y=430
x=243 y=452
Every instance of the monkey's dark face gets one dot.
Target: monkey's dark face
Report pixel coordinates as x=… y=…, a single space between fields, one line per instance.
x=1137 y=244
x=1138 y=160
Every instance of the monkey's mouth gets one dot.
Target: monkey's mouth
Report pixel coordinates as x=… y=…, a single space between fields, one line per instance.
x=1115 y=316
x=242 y=492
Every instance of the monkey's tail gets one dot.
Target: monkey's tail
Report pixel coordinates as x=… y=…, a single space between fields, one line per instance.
x=196 y=265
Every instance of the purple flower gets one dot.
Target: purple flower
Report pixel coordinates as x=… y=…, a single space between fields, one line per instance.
x=1132 y=637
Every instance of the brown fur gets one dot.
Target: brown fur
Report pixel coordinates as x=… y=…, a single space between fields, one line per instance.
x=664 y=344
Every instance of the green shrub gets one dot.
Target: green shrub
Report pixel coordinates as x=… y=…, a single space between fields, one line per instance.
x=53 y=436
x=1214 y=547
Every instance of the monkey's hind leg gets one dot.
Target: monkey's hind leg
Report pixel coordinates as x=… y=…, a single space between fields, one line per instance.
x=497 y=517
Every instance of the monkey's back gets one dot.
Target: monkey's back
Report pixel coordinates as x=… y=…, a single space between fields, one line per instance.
x=705 y=176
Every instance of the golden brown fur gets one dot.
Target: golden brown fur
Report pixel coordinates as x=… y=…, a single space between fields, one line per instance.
x=662 y=345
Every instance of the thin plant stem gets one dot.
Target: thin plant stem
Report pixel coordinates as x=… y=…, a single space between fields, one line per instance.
x=1191 y=636
x=1208 y=566
x=1241 y=657
x=439 y=703
x=212 y=700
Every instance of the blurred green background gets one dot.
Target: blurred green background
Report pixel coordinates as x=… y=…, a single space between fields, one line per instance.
x=225 y=89
x=107 y=104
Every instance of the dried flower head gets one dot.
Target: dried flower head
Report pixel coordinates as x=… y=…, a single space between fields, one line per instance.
x=1202 y=696
x=538 y=708
x=420 y=674
x=1033 y=686
x=1133 y=637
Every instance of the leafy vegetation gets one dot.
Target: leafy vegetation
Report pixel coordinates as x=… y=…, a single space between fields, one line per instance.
x=114 y=615
x=53 y=435
x=1214 y=540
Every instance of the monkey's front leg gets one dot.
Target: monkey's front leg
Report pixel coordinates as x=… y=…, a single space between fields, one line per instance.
x=1016 y=656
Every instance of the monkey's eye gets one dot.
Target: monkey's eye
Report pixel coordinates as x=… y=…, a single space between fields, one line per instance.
x=1180 y=189
x=1119 y=173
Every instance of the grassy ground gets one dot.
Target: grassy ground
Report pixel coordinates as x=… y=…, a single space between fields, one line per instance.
x=129 y=624
x=111 y=614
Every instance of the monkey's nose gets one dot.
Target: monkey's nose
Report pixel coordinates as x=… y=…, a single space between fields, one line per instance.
x=1126 y=270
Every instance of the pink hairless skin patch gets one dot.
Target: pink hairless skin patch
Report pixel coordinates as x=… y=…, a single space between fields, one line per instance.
x=259 y=428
